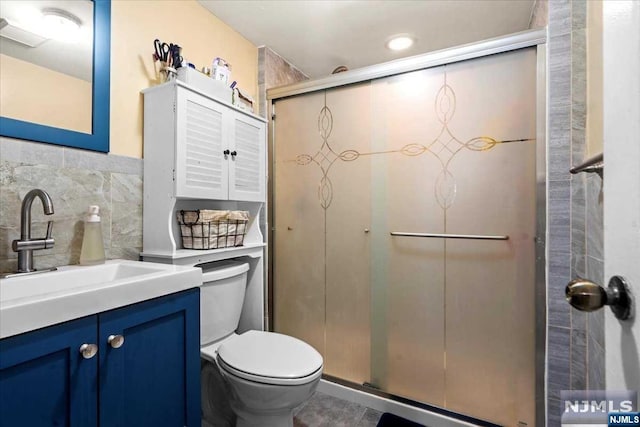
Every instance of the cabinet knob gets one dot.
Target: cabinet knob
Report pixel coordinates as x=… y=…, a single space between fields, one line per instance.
x=88 y=350
x=226 y=153
x=115 y=341
x=234 y=153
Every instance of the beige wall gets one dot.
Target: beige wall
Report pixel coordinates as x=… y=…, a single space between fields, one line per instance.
x=594 y=77
x=40 y=95
x=134 y=26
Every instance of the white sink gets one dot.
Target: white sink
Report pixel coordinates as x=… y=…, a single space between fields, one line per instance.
x=34 y=301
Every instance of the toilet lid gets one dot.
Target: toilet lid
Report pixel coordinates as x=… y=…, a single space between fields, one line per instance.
x=271 y=355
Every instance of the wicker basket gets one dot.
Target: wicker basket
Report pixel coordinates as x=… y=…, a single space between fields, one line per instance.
x=212 y=229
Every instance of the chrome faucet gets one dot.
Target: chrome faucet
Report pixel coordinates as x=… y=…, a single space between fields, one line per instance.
x=25 y=246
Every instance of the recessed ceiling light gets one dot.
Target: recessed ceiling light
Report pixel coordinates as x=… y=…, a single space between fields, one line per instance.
x=400 y=42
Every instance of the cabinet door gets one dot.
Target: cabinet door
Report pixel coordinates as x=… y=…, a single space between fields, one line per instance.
x=45 y=381
x=153 y=378
x=247 y=168
x=201 y=166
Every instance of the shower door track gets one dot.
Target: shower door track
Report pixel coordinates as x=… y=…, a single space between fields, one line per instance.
x=451 y=55
x=421 y=405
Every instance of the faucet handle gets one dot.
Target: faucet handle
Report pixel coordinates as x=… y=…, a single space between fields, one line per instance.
x=48 y=241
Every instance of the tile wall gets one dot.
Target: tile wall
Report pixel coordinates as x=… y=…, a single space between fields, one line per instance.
x=274 y=71
x=74 y=179
x=594 y=260
x=575 y=352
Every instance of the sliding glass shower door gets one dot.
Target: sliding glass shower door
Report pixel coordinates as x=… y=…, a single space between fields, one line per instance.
x=404 y=215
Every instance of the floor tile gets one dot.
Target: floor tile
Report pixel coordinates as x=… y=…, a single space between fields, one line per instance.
x=323 y=410
x=370 y=418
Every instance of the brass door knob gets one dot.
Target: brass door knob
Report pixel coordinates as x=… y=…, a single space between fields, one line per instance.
x=586 y=295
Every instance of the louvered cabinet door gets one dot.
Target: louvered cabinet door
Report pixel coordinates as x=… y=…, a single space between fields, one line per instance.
x=201 y=166
x=247 y=167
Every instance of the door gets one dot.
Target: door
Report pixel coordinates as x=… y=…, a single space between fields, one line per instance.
x=404 y=235
x=45 y=381
x=621 y=103
x=201 y=164
x=247 y=158
x=152 y=377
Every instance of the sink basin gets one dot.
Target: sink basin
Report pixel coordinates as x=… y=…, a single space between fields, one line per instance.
x=33 y=301
x=68 y=278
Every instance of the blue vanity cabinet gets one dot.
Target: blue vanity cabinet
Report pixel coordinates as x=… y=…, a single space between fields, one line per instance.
x=151 y=379
x=45 y=381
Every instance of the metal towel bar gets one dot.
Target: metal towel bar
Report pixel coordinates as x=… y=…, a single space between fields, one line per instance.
x=449 y=236
x=593 y=164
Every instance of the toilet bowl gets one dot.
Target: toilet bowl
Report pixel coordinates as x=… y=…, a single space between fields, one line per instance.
x=266 y=375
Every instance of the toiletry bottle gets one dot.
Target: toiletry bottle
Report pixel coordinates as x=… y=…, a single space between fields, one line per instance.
x=92 y=244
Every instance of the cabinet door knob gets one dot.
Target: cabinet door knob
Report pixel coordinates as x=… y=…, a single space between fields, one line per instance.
x=234 y=153
x=226 y=153
x=115 y=341
x=88 y=350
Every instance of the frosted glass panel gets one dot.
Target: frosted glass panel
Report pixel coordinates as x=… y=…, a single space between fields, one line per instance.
x=299 y=252
x=348 y=216
x=320 y=228
x=490 y=319
x=407 y=282
x=450 y=149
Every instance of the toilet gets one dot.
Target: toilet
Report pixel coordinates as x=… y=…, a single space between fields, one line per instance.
x=255 y=378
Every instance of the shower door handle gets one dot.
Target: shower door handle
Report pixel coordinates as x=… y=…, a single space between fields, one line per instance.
x=448 y=236
x=588 y=296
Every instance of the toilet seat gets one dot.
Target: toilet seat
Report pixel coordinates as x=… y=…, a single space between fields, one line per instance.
x=268 y=380
x=270 y=358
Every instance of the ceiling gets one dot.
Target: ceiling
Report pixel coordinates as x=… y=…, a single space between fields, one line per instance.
x=319 y=35
x=74 y=59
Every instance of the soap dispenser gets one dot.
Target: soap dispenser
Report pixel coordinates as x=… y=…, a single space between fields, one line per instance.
x=92 y=244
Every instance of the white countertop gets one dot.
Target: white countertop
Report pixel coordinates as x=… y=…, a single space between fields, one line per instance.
x=30 y=302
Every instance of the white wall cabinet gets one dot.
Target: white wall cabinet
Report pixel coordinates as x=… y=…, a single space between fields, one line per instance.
x=219 y=151
x=247 y=167
x=203 y=153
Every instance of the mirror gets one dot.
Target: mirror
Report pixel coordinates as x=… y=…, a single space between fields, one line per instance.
x=49 y=65
x=54 y=71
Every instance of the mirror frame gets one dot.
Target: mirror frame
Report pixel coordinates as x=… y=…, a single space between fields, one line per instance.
x=98 y=140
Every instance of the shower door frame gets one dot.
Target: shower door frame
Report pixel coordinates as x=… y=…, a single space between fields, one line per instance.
x=522 y=40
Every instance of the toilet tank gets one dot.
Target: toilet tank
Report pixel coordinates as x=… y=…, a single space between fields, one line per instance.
x=221 y=298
